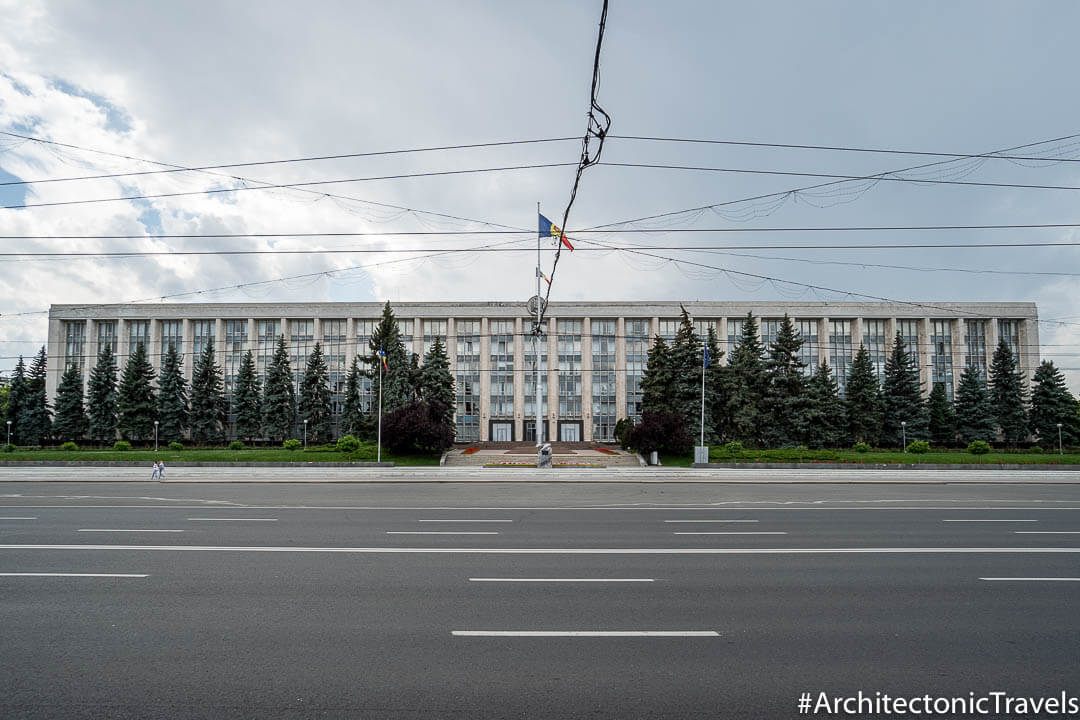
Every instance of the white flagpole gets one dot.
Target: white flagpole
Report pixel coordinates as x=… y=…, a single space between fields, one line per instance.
x=536 y=346
x=378 y=451
x=704 y=349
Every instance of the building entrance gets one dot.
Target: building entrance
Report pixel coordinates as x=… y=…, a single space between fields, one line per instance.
x=502 y=432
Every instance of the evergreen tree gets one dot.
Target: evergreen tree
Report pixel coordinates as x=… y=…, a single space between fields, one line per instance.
x=784 y=403
x=35 y=419
x=136 y=407
x=101 y=397
x=716 y=391
x=687 y=367
x=1007 y=395
x=315 y=398
x=942 y=419
x=395 y=376
x=902 y=400
x=974 y=415
x=747 y=384
x=1052 y=403
x=173 y=413
x=17 y=399
x=353 y=421
x=436 y=382
x=70 y=423
x=247 y=400
x=279 y=395
x=862 y=400
x=658 y=380
x=208 y=414
x=826 y=424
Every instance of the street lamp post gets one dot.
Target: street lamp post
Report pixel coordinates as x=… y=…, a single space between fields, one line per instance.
x=903 y=429
x=8 y=432
x=155 y=435
x=1060 y=452
x=305 y=433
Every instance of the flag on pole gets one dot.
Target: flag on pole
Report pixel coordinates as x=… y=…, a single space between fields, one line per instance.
x=382 y=355
x=706 y=358
x=539 y=273
x=547 y=229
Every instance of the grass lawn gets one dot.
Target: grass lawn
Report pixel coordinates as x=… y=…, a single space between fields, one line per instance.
x=879 y=457
x=219 y=455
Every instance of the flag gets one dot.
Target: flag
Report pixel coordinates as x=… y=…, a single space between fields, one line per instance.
x=382 y=355
x=547 y=229
x=541 y=274
x=706 y=359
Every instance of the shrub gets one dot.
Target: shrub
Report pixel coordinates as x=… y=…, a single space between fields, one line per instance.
x=861 y=447
x=419 y=426
x=292 y=444
x=732 y=448
x=661 y=432
x=978 y=447
x=1036 y=450
x=69 y=446
x=122 y=445
x=175 y=446
x=236 y=445
x=622 y=431
x=918 y=446
x=9 y=448
x=348 y=444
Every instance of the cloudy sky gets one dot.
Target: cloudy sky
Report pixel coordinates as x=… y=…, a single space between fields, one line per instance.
x=195 y=84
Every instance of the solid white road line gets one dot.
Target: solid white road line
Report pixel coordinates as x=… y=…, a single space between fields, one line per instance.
x=562 y=580
x=224 y=519
x=1047 y=532
x=710 y=521
x=562 y=551
x=585 y=633
x=467 y=521
x=441 y=532
x=990 y=520
x=748 y=506
x=1033 y=579
x=730 y=533
x=80 y=575
x=18 y=518
x=128 y=530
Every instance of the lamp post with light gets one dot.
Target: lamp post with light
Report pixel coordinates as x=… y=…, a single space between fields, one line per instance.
x=155 y=435
x=1060 y=451
x=9 y=432
x=305 y=433
x=903 y=429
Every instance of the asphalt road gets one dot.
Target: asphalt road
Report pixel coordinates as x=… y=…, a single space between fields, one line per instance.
x=381 y=601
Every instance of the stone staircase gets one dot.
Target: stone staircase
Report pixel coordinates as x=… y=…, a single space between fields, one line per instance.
x=563 y=454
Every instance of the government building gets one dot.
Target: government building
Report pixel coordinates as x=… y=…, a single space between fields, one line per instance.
x=592 y=355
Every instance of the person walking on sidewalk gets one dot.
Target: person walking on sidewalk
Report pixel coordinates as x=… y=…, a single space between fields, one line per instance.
x=157 y=471
x=161 y=469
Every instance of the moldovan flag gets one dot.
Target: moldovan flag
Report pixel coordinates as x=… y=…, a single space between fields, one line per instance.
x=382 y=355
x=549 y=230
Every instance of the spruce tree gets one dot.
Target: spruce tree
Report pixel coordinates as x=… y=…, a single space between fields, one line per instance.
x=941 y=418
x=208 y=414
x=716 y=391
x=687 y=367
x=136 y=407
x=17 y=399
x=1052 y=403
x=70 y=422
x=826 y=424
x=35 y=419
x=1007 y=395
x=173 y=413
x=862 y=400
x=315 y=398
x=436 y=382
x=247 y=400
x=101 y=398
x=658 y=380
x=279 y=395
x=395 y=376
x=902 y=400
x=974 y=415
x=784 y=403
x=747 y=376
x=352 y=410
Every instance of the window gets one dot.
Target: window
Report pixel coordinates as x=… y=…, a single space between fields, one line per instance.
x=364 y=329
x=202 y=334
x=467 y=386
x=434 y=329
x=840 y=350
x=770 y=328
x=734 y=334
x=333 y=346
x=236 y=335
x=569 y=349
x=668 y=328
x=106 y=335
x=702 y=327
x=301 y=341
x=603 y=379
x=530 y=375
x=637 y=357
x=75 y=344
x=268 y=332
x=172 y=333
x=405 y=330
x=1009 y=331
x=876 y=341
x=808 y=353
x=941 y=354
x=502 y=368
x=975 y=341
x=909 y=330
x=138 y=334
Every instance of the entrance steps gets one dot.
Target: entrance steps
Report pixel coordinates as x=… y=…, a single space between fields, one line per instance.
x=509 y=454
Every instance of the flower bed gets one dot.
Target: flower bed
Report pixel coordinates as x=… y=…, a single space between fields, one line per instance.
x=469 y=451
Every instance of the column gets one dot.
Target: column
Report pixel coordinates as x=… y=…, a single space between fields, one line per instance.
x=316 y=333
x=925 y=370
x=856 y=333
x=153 y=348
x=959 y=349
x=721 y=341
x=519 y=378
x=350 y=341
x=823 y=340
x=90 y=351
x=418 y=338
x=485 y=380
x=621 y=371
x=451 y=345
x=1029 y=349
x=187 y=335
x=586 y=380
x=219 y=342
x=890 y=333
x=992 y=339
x=54 y=363
x=123 y=341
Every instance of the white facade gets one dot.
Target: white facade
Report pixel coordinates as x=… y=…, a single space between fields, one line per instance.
x=592 y=355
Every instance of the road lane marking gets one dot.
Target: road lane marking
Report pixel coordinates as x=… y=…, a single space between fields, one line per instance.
x=18 y=518
x=388 y=550
x=441 y=532
x=128 y=530
x=988 y=520
x=79 y=575
x=1047 y=532
x=467 y=521
x=562 y=580
x=710 y=521
x=224 y=519
x=731 y=533
x=749 y=506
x=585 y=633
x=1032 y=579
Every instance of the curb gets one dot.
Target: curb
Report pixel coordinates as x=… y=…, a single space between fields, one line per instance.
x=1049 y=467
x=133 y=463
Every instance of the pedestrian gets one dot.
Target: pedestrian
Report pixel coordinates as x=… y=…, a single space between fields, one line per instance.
x=161 y=469
x=157 y=471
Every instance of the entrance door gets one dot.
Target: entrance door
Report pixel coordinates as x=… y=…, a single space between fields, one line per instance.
x=501 y=432
x=571 y=432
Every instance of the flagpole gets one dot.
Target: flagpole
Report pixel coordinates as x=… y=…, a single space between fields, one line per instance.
x=704 y=354
x=536 y=346
x=378 y=452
